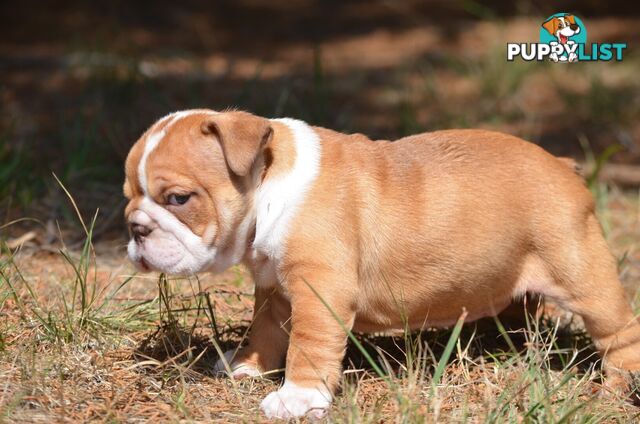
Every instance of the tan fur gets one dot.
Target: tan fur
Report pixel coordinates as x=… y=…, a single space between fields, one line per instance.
x=410 y=232
x=241 y=136
x=279 y=155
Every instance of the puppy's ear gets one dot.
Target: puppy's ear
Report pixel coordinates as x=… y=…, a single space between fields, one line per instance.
x=551 y=26
x=570 y=18
x=241 y=135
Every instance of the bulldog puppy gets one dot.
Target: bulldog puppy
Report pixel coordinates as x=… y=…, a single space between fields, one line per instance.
x=341 y=231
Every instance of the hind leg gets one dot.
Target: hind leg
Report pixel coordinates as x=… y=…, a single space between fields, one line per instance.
x=615 y=330
x=587 y=284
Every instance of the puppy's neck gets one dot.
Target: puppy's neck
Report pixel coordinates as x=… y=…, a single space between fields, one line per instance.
x=290 y=164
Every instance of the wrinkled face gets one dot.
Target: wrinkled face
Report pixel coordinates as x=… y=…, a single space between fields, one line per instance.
x=187 y=210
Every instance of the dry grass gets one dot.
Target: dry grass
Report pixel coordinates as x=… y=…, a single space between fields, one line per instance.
x=83 y=339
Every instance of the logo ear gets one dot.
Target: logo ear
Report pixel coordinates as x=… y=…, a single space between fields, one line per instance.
x=570 y=18
x=241 y=136
x=551 y=26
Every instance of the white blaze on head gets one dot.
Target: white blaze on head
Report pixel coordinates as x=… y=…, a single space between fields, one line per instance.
x=152 y=142
x=155 y=137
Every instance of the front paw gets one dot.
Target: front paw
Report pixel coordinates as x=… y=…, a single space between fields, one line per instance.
x=293 y=401
x=235 y=368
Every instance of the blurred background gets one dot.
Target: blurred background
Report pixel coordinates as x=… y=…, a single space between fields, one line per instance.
x=80 y=81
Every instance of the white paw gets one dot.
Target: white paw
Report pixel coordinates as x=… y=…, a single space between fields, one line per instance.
x=292 y=401
x=238 y=369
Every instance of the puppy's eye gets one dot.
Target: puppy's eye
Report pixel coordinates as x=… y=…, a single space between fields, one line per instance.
x=178 y=199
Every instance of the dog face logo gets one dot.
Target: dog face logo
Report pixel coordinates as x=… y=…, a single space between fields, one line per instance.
x=562 y=31
x=562 y=27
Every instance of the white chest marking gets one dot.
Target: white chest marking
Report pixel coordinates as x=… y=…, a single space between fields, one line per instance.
x=278 y=199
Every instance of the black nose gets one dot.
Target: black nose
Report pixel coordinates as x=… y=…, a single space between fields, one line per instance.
x=574 y=27
x=139 y=232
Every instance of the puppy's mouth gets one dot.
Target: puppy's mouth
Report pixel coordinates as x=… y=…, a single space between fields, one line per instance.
x=136 y=256
x=144 y=266
x=563 y=39
x=141 y=264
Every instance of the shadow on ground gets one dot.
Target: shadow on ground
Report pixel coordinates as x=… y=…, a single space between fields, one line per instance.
x=495 y=339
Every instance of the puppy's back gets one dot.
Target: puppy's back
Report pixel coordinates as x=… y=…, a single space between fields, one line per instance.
x=501 y=183
x=494 y=158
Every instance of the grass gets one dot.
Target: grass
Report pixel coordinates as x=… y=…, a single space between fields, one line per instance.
x=80 y=342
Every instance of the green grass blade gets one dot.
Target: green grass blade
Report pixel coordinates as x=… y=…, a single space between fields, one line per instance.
x=451 y=344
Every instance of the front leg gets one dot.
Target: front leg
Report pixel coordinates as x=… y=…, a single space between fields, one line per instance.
x=316 y=347
x=268 y=337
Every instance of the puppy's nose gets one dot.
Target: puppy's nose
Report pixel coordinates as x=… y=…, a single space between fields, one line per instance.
x=139 y=232
x=574 y=27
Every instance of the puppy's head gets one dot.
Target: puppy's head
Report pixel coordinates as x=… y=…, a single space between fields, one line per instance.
x=189 y=180
x=562 y=27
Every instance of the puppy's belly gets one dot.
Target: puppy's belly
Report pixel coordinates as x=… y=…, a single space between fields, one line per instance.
x=443 y=315
x=432 y=302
